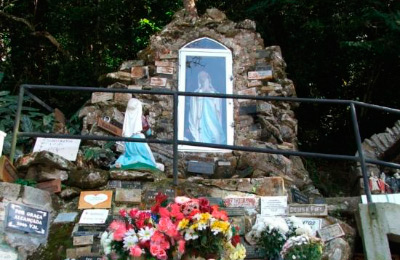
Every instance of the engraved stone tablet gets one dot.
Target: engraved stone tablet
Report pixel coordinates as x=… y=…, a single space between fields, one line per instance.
x=273 y=206
x=262 y=74
x=101 y=97
x=158 y=82
x=26 y=219
x=201 y=167
x=128 y=195
x=299 y=197
x=83 y=240
x=66 y=217
x=67 y=148
x=165 y=70
x=308 y=210
x=94 y=216
x=234 y=211
x=241 y=202
x=330 y=232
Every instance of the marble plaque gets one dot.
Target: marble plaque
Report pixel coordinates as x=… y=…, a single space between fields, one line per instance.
x=308 y=210
x=67 y=148
x=244 y=202
x=273 y=205
x=101 y=97
x=27 y=219
x=94 y=216
x=83 y=240
x=298 y=197
x=66 y=217
x=158 y=82
x=262 y=74
x=128 y=195
x=330 y=232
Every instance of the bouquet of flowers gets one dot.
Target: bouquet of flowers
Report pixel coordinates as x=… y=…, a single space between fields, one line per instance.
x=141 y=234
x=205 y=229
x=186 y=227
x=271 y=233
x=302 y=248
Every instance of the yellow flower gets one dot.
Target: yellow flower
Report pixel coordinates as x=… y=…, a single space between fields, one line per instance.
x=220 y=226
x=239 y=253
x=183 y=224
x=194 y=226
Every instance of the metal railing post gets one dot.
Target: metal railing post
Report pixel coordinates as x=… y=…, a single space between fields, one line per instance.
x=16 y=123
x=360 y=152
x=175 y=139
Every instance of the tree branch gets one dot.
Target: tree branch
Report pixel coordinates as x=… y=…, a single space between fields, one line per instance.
x=44 y=34
x=18 y=19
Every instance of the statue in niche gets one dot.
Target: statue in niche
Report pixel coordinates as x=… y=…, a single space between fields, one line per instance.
x=136 y=155
x=205 y=114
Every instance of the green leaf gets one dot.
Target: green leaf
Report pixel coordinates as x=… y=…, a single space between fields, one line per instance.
x=26 y=125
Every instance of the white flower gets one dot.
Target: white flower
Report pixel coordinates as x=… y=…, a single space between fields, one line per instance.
x=293 y=256
x=105 y=241
x=130 y=232
x=145 y=233
x=304 y=230
x=191 y=235
x=130 y=241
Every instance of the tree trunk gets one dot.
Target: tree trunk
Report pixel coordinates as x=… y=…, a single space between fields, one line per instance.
x=190 y=7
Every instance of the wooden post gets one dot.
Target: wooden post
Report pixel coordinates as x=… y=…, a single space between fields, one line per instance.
x=190 y=7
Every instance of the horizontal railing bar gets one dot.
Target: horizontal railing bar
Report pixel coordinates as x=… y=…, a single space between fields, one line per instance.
x=94 y=137
x=383 y=163
x=215 y=95
x=198 y=144
x=269 y=150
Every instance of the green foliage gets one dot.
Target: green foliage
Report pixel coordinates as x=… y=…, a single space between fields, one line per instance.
x=30 y=183
x=98 y=153
x=32 y=120
x=303 y=250
x=271 y=241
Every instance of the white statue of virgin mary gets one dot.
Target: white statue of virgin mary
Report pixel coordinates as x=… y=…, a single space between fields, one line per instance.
x=136 y=155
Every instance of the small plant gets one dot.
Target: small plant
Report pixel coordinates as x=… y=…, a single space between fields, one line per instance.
x=302 y=248
x=30 y=183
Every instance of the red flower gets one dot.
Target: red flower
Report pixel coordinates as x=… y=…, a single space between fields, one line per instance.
x=219 y=214
x=164 y=213
x=133 y=212
x=135 y=251
x=119 y=230
x=176 y=212
x=161 y=197
x=181 y=246
x=122 y=212
x=235 y=240
x=204 y=205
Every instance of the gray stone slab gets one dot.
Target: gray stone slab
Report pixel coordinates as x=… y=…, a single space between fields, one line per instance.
x=128 y=195
x=66 y=217
x=7 y=253
x=36 y=197
x=9 y=191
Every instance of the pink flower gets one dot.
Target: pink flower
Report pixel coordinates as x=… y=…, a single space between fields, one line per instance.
x=181 y=246
x=122 y=212
x=219 y=214
x=166 y=226
x=119 y=230
x=135 y=251
x=164 y=213
x=176 y=212
x=133 y=212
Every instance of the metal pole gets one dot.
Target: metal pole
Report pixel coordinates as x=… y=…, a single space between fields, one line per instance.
x=175 y=139
x=16 y=123
x=360 y=152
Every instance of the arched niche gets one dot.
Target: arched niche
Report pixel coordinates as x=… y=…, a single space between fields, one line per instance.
x=205 y=66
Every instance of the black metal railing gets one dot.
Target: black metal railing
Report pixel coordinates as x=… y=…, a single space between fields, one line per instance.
x=24 y=89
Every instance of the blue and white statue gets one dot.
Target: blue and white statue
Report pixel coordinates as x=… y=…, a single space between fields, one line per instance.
x=136 y=155
x=205 y=114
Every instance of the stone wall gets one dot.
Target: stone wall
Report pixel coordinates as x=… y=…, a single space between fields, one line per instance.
x=376 y=147
x=256 y=124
